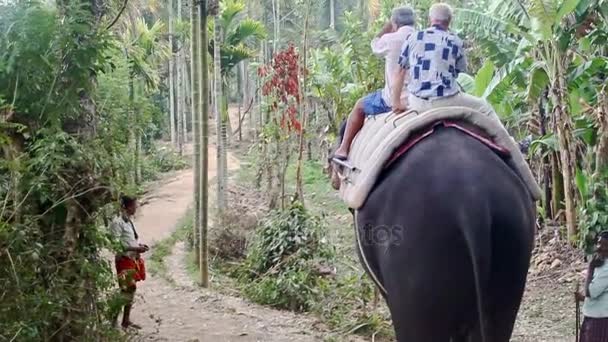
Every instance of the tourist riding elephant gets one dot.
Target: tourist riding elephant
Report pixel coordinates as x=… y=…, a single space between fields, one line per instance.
x=448 y=231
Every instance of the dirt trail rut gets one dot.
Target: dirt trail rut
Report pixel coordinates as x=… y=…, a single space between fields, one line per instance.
x=185 y=312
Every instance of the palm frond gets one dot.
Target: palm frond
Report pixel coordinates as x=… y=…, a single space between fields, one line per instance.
x=248 y=30
x=229 y=10
x=233 y=55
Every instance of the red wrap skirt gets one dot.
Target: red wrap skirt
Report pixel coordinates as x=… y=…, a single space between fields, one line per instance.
x=130 y=271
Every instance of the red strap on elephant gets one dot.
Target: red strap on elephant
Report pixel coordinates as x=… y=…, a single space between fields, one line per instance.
x=470 y=130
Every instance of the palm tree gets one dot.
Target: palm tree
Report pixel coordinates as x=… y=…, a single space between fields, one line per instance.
x=145 y=51
x=204 y=8
x=195 y=56
x=236 y=39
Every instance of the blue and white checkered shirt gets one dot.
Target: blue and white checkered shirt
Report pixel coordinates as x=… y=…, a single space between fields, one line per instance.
x=434 y=58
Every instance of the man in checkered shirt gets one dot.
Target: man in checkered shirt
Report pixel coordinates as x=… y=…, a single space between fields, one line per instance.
x=431 y=60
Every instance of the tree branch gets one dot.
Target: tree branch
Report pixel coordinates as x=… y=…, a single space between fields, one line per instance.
x=242 y=118
x=122 y=9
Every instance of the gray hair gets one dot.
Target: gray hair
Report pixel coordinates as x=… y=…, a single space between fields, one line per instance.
x=441 y=12
x=403 y=16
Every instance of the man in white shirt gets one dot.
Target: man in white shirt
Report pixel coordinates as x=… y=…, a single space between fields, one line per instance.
x=129 y=264
x=387 y=44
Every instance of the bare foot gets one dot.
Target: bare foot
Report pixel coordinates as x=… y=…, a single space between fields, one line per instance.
x=130 y=325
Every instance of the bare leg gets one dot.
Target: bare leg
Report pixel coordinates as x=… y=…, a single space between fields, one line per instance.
x=126 y=317
x=353 y=126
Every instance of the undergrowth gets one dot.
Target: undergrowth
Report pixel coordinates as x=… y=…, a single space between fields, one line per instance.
x=162 y=249
x=281 y=268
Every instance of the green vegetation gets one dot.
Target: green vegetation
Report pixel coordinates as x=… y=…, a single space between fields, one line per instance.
x=281 y=265
x=78 y=125
x=163 y=248
x=88 y=88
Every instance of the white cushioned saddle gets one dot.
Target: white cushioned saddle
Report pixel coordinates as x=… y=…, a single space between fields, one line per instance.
x=382 y=134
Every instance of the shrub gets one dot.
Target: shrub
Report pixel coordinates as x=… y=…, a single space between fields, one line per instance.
x=281 y=268
x=593 y=213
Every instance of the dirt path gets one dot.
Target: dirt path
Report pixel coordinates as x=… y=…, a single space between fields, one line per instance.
x=184 y=312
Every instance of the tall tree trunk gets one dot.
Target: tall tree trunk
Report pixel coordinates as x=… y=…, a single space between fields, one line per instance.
x=248 y=98
x=219 y=120
x=601 y=153
x=557 y=186
x=188 y=92
x=179 y=88
x=138 y=141
x=195 y=53
x=204 y=119
x=223 y=170
x=299 y=182
x=241 y=98
x=546 y=164
x=566 y=153
x=276 y=12
x=332 y=14
x=172 y=77
x=184 y=97
x=170 y=103
x=132 y=133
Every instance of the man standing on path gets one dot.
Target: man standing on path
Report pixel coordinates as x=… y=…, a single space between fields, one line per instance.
x=595 y=308
x=129 y=263
x=387 y=44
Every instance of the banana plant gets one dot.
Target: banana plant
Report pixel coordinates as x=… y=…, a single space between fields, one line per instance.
x=537 y=42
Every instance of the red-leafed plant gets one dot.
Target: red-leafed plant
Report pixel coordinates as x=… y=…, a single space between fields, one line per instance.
x=281 y=87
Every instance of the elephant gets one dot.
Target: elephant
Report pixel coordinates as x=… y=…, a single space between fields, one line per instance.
x=448 y=231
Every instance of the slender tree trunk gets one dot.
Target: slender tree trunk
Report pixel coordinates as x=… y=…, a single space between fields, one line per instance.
x=185 y=107
x=566 y=153
x=248 y=97
x=132 y=133
x=601 y=153
x=546 y=164
x=332 y=14
x=223 y=174
x=204 y=119
x=174 y=140
x=299 y=183
x=195 y=53
x=218 y=104
x=179 y=88
x=138 y=141
x=557 y=186
x=241 y=98
x=188 y=92
x=170 y=103
x=276 y=12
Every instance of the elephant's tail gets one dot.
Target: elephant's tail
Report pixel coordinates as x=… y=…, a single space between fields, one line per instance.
x=477 y=234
